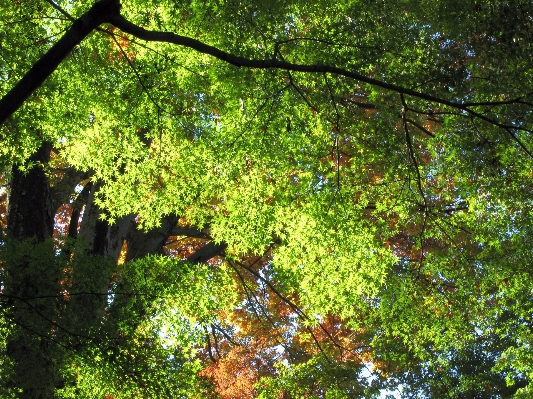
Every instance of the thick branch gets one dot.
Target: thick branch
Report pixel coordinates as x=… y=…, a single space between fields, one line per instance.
x=142 y=243
x=109 y=11
x=100 y=12
x=207 y=252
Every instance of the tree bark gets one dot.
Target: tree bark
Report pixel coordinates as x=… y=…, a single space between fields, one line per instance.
x=142 y=243
x=32 y=279
x=99 y=236
x=93 y=266
x=30 y=210
x=207 y=252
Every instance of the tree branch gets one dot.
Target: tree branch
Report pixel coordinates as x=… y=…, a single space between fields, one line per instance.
x=411 y=152
x=207 y=252
x=100 y=12
x=126 y=26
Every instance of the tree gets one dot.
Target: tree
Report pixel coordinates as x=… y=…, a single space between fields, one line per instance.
x=283 y=196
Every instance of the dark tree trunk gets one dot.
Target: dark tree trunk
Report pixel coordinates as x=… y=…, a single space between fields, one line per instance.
x=93 y=266
x=30 y=209
x=100 y=237
x=32 y=279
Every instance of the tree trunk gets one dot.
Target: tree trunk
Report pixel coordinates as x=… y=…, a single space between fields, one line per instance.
x=30 y=210
x=93 y=266
x=32 y=280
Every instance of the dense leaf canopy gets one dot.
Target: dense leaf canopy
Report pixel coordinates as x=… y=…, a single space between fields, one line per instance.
x=329 y=199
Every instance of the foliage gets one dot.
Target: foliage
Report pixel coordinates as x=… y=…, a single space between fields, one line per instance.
x=365 y=165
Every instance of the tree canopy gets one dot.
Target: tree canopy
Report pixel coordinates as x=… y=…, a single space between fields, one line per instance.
x=278 y=199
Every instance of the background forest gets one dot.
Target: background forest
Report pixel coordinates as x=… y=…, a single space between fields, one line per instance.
x=266 y=199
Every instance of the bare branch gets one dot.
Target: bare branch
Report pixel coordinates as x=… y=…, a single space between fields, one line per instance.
x=207 y=252
x=420 y=127
x=61 y=10
x=411 y=151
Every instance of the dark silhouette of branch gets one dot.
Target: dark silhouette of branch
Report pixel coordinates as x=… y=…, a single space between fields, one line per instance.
x=61 y=10
x=99 y=13
x=411 y=151
x=126 y=26
x=41 y=315
x=209 y=348
x=420 y=127
x=208 y=251
x=296 y=309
